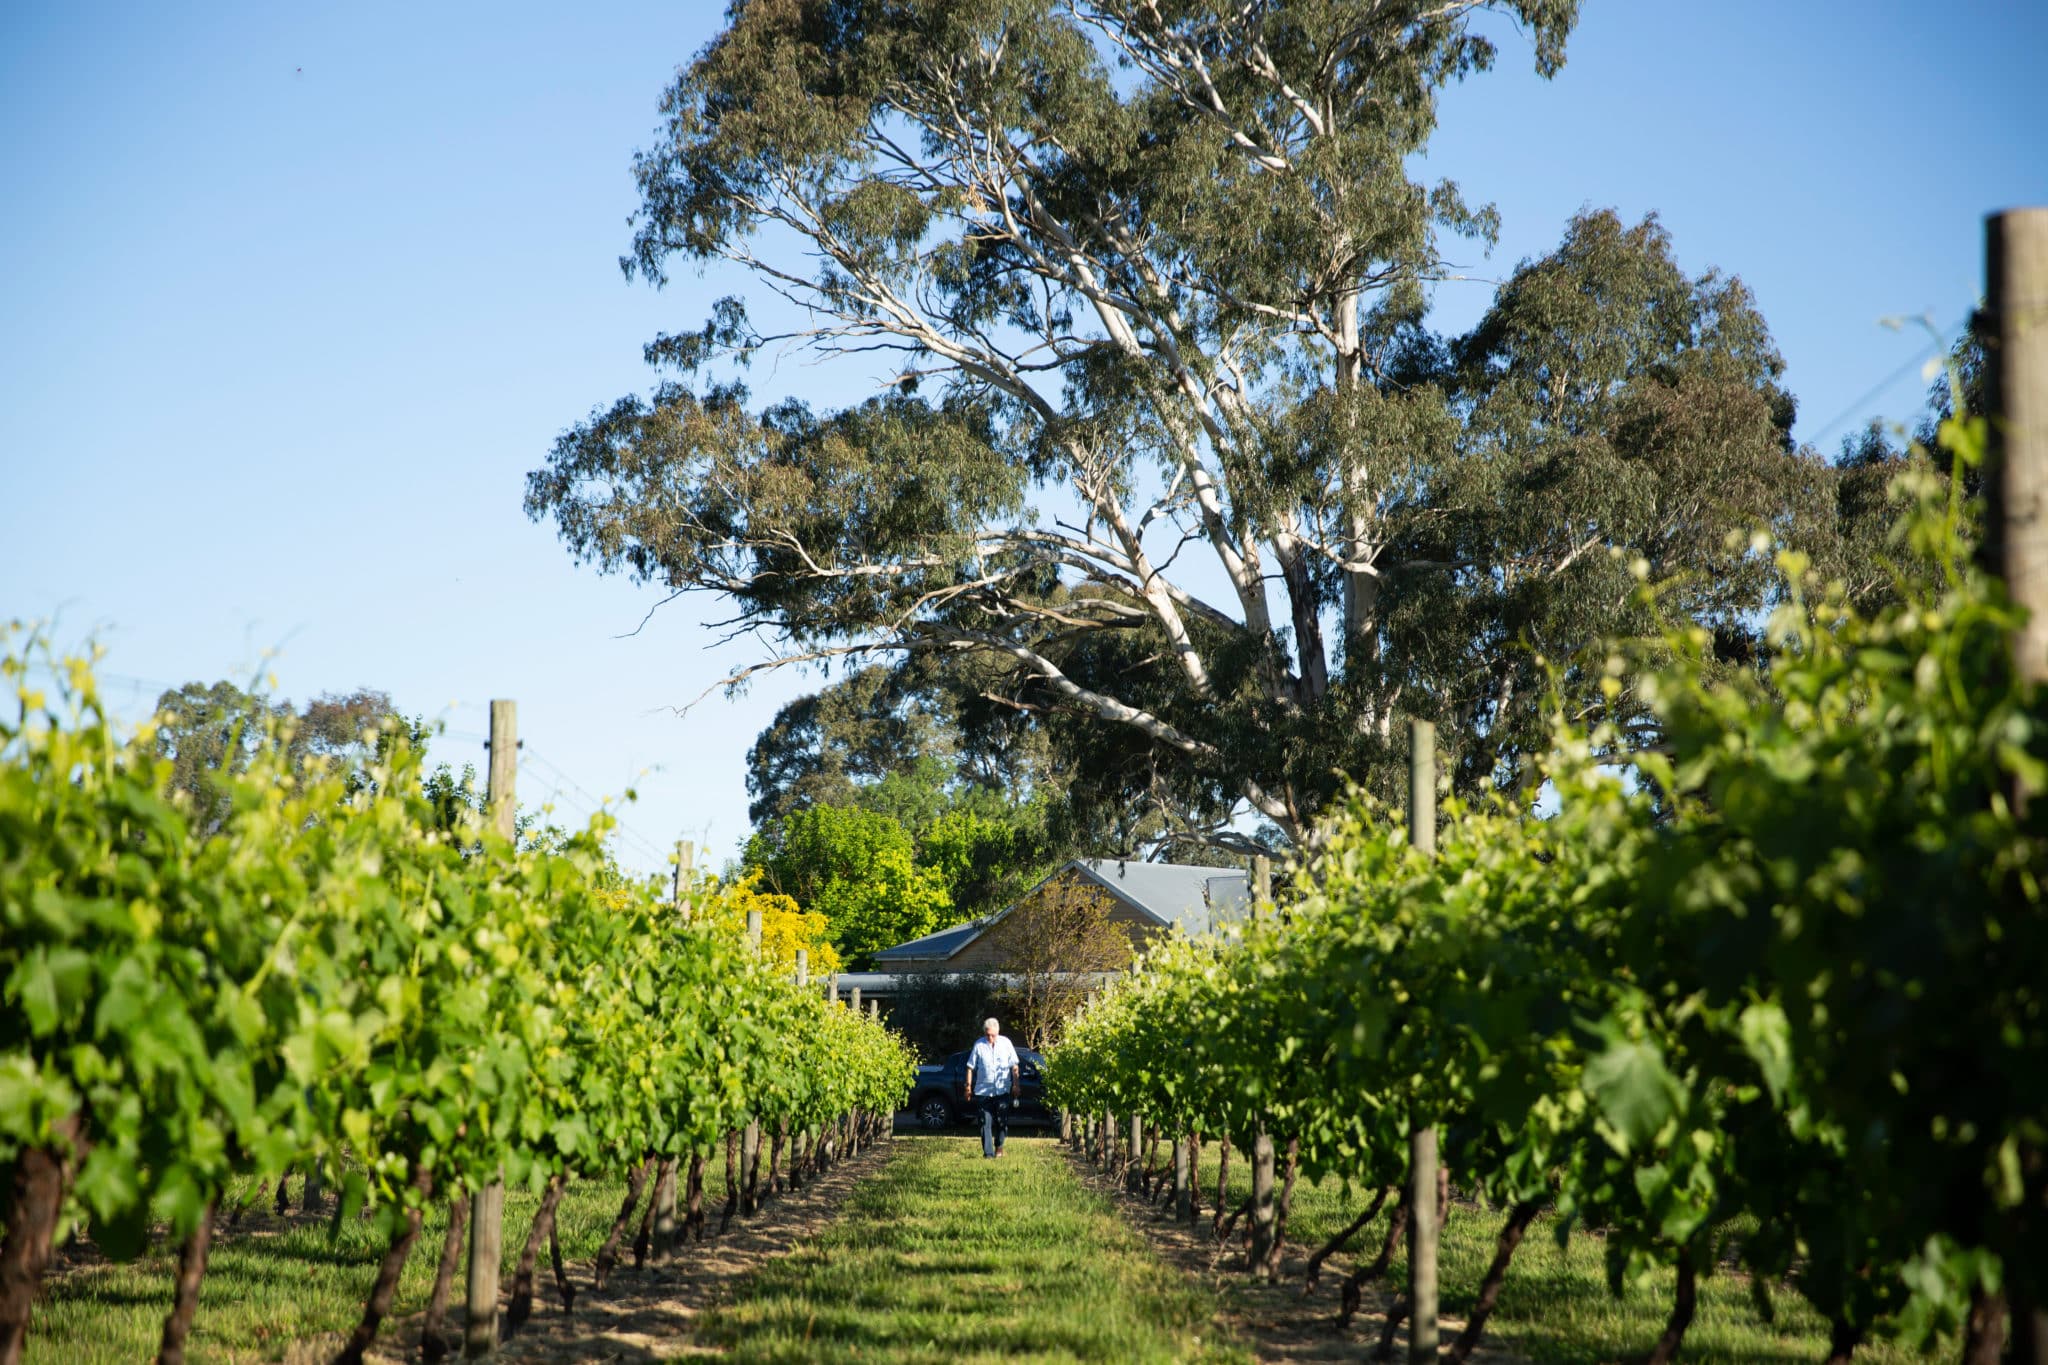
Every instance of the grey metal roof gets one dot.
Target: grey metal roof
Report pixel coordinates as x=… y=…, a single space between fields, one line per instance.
x=940 y=944
x=1196 y=899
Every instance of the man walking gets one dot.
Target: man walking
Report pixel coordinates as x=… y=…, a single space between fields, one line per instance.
x=992 y=1080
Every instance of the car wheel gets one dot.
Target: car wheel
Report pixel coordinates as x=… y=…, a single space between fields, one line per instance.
x=934 y=1112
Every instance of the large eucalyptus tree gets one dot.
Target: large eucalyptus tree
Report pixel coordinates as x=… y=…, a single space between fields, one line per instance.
x=1162 y=266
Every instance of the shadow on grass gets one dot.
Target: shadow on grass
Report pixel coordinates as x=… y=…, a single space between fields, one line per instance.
x=270 y=1282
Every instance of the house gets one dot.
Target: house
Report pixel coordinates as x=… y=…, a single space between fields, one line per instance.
x=1146 y=900
x=1030 y=955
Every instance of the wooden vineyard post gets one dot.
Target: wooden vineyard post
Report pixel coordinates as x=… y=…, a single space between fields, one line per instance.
x=1183 y=1207
x=803 y=982
x=1264 y=1216
x=1134 y=1157
x=885 y=1124
x=2015 y=335
x=665 y=1183
x=750 y=1163
x=315 y=1194
x=685 y=857
x=2014 y=331
x=1422 y=1152
x=487 y=1205
x=852 y=1003
x=750 y=1136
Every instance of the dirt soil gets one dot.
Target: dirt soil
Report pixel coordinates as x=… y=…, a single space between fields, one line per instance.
x=1274 y=1318
x=642 y=1315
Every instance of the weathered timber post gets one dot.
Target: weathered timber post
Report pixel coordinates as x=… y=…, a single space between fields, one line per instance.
x=2013 y=329
x=1183 y=1208
x=832 y=989
x=1134 y=1169
x=487 y=1205
x=686 y=853
x=1265 y=1217
x=803 y=968
x=853 y=998
x=665 y=1180
x=750 y=1136
x=315 y=1194
x=1423 y=1210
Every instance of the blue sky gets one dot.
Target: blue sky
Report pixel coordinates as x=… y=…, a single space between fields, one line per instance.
x=295 y=295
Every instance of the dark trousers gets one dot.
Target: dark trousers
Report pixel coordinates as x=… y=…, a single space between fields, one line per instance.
x=995 y=1110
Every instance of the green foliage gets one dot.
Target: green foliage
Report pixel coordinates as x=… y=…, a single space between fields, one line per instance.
x=333 y=970
x=828 y=747
x=1800 y=947
x=876 y=884
x=1281 y=512
x=969 y=788
x=206 y=731
x=859 y=870
x=978 y=858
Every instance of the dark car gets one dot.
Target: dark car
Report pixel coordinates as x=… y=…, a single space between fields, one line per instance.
x=937 y=1100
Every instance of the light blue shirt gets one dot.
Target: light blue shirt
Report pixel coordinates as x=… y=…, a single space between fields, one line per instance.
x=992 y=1064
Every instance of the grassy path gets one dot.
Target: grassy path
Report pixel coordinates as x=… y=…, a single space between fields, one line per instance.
x=942 y=1256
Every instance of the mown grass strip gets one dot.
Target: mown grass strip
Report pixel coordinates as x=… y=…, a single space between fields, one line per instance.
x=942 y=1256
x=265 y=1290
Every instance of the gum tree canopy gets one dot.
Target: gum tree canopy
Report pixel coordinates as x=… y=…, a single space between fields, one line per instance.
x=1160 y=429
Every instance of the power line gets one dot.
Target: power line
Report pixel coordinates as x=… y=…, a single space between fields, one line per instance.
x=591 y=805
x=1942 y=343
x=562 y=794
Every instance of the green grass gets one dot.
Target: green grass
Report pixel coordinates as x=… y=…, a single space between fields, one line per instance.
x=940 y=1256
x=943 y=1256
x=265 y=1290
x=1555 y=1305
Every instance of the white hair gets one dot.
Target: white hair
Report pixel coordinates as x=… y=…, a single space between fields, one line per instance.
x=990 y=1023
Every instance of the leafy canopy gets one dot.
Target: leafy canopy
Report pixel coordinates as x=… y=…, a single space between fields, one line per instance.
x=1164 y=267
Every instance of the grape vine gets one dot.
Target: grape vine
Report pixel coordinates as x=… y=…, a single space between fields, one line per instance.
x=330 y=981
x=1786 y=967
